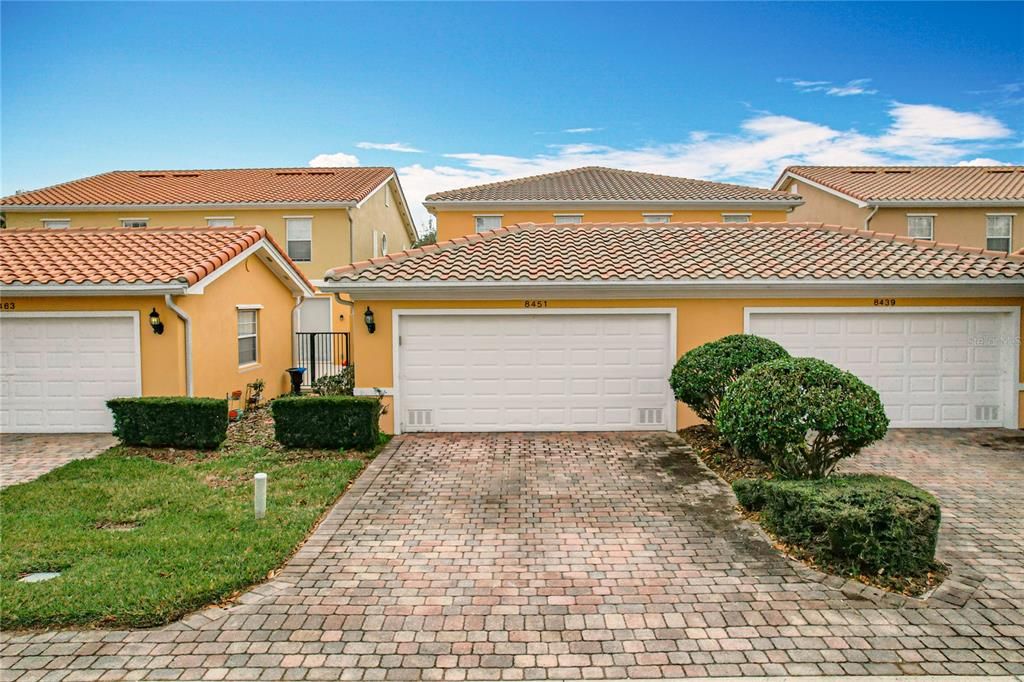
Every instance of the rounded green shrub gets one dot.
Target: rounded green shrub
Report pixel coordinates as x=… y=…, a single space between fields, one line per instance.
x=701 y=376
x=801 y=415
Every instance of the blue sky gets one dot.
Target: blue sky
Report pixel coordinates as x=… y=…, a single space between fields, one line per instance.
x=456 y=94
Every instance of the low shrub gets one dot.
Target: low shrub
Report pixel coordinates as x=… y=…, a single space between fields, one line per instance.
x=863 y=524
x=333 y=422
x=701 y=376
x=801 y=415
x=342 y=383
x=173 y=422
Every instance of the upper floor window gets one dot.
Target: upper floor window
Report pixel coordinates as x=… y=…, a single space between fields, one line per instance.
x=220 y=221
x=998 y=232
x=568 y=218
x=299 y=238
x=735 y=217
x=487 y=222
x=134 y=222
x=652 y=218
x=62 y=224
x=248 y=336
x=921 y=226
x=387 y=195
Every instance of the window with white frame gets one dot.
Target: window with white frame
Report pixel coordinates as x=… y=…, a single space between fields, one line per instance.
x=735 y=217
x=487 y=222
x=568 y=219
x=383 y=244
x=299 y=238
x=248 y=336
x=921 y=226
x=61 y=224
x=220 y=221
x=998 y=232
x=653 y=218
x=134 y=222
x=387 y=195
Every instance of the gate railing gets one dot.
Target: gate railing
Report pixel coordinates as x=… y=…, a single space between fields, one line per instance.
x=321 y=353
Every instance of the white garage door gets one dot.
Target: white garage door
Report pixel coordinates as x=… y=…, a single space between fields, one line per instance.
x=56 y=373
x=535 y=372
x=931 y=369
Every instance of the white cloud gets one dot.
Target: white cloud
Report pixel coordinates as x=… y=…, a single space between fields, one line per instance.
x=390 y=147
x=858 y=86
x=754 y=154
x=333 y=160
x=982 y=161
x=581 y=130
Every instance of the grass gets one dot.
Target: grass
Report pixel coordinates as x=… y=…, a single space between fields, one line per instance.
x=143 y=536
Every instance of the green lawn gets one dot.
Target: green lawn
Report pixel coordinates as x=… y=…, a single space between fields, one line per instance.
x=196 y=541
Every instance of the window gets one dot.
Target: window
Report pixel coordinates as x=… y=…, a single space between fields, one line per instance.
x=383 y=245
x=134 y=222
x=794 y=188
x=735 y=217
x=487 y=222
x=61 y=224
x=652 y=218
x=248 y=348
x=998 y=232
x=300 y=238
x=387 y=195
x=218 y=221
x=921 y=226
x=566 y=219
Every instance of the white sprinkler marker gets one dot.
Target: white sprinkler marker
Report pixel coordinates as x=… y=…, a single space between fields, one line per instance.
x=261 y=495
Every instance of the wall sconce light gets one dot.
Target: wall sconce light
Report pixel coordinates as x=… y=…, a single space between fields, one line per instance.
x=371 y=326
x=155 y=323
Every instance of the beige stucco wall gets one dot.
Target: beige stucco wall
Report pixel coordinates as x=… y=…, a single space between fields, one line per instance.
x=458 y=223
x=379 y=215
x=821 y=207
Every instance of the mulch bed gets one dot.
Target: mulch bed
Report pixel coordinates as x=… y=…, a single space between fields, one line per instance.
x=730 y=466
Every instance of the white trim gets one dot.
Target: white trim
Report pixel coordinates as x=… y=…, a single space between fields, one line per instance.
x=90 y=289
x=659 y=215
x=488 y=215
x=45 y=222
x=288 y=239
x=396 y=335
x=285 y=272
x=218 y=217
x=1012 y=312
x=298 y=217
x=922 y=215
x=988 y=214
x=567 y=215
x=817 y=185
x=372 y=392
x=130 y=219
x=255 y=336
x=939 y=203
x=132 y=314
x=249 y=306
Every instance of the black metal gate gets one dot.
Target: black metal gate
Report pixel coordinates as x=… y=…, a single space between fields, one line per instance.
x=322 y=353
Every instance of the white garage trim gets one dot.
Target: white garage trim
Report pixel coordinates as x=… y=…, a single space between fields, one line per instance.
x=1012 y=313
x=133 y=315
x=396 y=335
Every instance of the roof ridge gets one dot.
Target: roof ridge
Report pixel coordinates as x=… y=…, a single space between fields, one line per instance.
x=243 y=168
x=137 y=230
x=914 y=241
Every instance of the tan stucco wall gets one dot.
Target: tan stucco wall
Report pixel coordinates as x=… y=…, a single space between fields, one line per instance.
x=821 y=207
x=214 y=332
x=377 y=215
x=451 y=224
x=330 y=227
x=698 y=321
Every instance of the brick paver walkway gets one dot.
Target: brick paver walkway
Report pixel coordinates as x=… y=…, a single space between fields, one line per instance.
x=25 y=456
x=578 y=556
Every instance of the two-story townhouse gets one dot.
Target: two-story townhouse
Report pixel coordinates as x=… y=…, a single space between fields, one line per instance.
x=975 y=206
x=322 y=216
x=598 y=195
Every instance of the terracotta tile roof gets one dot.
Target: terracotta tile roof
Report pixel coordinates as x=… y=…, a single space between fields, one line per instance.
x=220 y=186
x=124 y=255
x=682 y=251
x=919 y=183
x=594 y=183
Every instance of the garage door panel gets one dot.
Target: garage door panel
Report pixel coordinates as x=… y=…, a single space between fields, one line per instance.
x=539 y=372
x=927 y=366
x=58 y=372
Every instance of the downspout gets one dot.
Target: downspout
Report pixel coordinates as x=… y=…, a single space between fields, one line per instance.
x=351 y=237
x=867 y=220
x=295 y=327
x=169 y=302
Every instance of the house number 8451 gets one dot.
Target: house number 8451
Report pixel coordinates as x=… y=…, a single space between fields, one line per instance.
x=535 y=304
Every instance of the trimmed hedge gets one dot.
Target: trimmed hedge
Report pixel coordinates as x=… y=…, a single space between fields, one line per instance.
x=801 y=415
x=173 y=422
x=342 y=383
x=701 y=376
x=330 y=422
x=861 y=524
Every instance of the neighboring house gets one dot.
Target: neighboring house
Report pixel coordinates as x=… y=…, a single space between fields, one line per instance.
x=88 y=315
x=597 y=195
x=568 y=328
x=324 y=217
x=979 y=206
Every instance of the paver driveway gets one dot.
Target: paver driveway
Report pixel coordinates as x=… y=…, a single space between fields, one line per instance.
x=25 y=456
x=566 y=556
